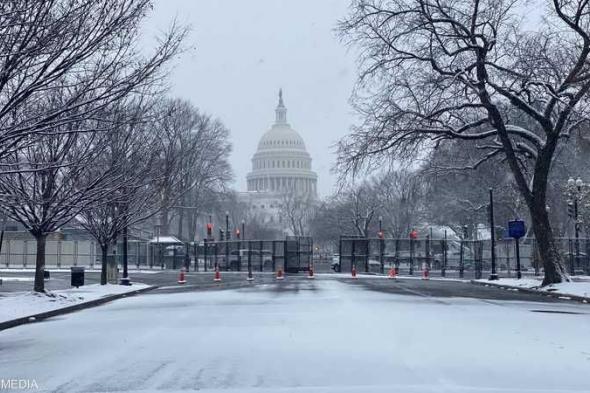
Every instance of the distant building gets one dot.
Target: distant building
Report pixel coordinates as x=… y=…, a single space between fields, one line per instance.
x=281 y=167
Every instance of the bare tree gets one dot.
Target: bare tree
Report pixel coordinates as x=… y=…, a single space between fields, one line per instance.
x=126 y=155
x=84 y=49
x=193 y=151
x=457 y=197
x=205 y=169
x=46 y=184
x=440 y=70
x=297 y=209
x=63 y=64
x=401 y=196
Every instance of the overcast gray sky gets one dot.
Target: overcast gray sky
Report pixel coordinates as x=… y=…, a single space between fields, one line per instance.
x=245 y=51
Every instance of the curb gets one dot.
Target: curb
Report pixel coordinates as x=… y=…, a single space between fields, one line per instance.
x=66 y=310
x=562 y=296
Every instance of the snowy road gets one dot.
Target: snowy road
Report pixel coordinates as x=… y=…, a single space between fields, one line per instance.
x=305 y=336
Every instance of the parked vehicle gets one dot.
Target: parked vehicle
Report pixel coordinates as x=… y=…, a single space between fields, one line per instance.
x=170 y=250
x=335 y=263
x=374 y=265
x=239 y=258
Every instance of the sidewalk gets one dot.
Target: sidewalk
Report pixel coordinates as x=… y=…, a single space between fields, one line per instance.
x=579 y=289
x=17 y=308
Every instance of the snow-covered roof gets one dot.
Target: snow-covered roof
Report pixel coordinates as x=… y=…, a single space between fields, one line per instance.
x=165 y=239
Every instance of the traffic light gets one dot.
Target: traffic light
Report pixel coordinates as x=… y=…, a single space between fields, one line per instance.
x=380 y=234
x=209 y=230
x=238 y=233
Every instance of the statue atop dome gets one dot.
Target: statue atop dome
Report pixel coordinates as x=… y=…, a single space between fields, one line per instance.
x=281 y=111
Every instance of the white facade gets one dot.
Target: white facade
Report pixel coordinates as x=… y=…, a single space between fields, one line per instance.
x=281 y=163
x=280 y=166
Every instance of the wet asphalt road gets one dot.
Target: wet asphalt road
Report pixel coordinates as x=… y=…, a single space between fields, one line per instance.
x=201 y=281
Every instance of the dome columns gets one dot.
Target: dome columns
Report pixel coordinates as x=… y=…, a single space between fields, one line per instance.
x=283 y=184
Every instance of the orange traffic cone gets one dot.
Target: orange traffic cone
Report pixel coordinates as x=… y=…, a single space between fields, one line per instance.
x=391 y=274
x=181 y=278
x=310 y=275
x=353 y=272
x=425 y=272
x=217 y=275
x=280 y=275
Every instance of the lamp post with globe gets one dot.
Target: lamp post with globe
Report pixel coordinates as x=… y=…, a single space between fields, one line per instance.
x=574 y=191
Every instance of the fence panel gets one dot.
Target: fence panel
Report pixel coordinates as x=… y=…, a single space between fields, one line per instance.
x=456 y=257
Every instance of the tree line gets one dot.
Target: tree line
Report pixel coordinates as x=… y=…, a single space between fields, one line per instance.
x=434 y=73
x=87 y=133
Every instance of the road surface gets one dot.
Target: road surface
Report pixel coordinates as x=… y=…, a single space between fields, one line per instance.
x=323 y=335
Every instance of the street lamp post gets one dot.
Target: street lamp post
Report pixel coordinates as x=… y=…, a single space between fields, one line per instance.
x=462 y=253
x=227 y=233
x=157 y=227
x=227 y=238
x=494 y=274
x=381 y=245
x=243 y=233
x=575 y=190
x=125 y=279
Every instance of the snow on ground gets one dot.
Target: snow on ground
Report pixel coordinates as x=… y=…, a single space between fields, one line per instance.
x=571 y=288
x=575 y=288
x=15 y=305
x=17 y=279
x=364 y=276
x=305 y=336
x=513 y=282
x=67 y=270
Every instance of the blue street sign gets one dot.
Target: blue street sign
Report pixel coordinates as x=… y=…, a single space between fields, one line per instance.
x=516 y=229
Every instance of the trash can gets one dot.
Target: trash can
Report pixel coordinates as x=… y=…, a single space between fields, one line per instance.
x=46 y=274
x=77 y=273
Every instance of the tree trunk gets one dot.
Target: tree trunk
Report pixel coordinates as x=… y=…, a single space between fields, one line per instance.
x=104 y=248
x=164 y=224
x=192 y=230
x=180 y=223
x=39 y=285
x=548 y=251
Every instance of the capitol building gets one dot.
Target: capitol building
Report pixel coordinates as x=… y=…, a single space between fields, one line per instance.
x=281 y=167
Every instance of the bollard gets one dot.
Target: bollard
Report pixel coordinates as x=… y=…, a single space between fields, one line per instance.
x=391 y=274
x=425 y=272
x=181 y=278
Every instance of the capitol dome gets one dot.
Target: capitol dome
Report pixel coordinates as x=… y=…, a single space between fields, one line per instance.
x=281 y=163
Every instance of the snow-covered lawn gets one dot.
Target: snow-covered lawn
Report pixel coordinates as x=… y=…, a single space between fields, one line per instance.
x=67 y=270
x=17 y=279
x=320 y=336
x=15 y=305
x=575 y=288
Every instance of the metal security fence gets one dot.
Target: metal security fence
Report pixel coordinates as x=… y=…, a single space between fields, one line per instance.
x=18 y=253
x=452 y=257
x=291 y=255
